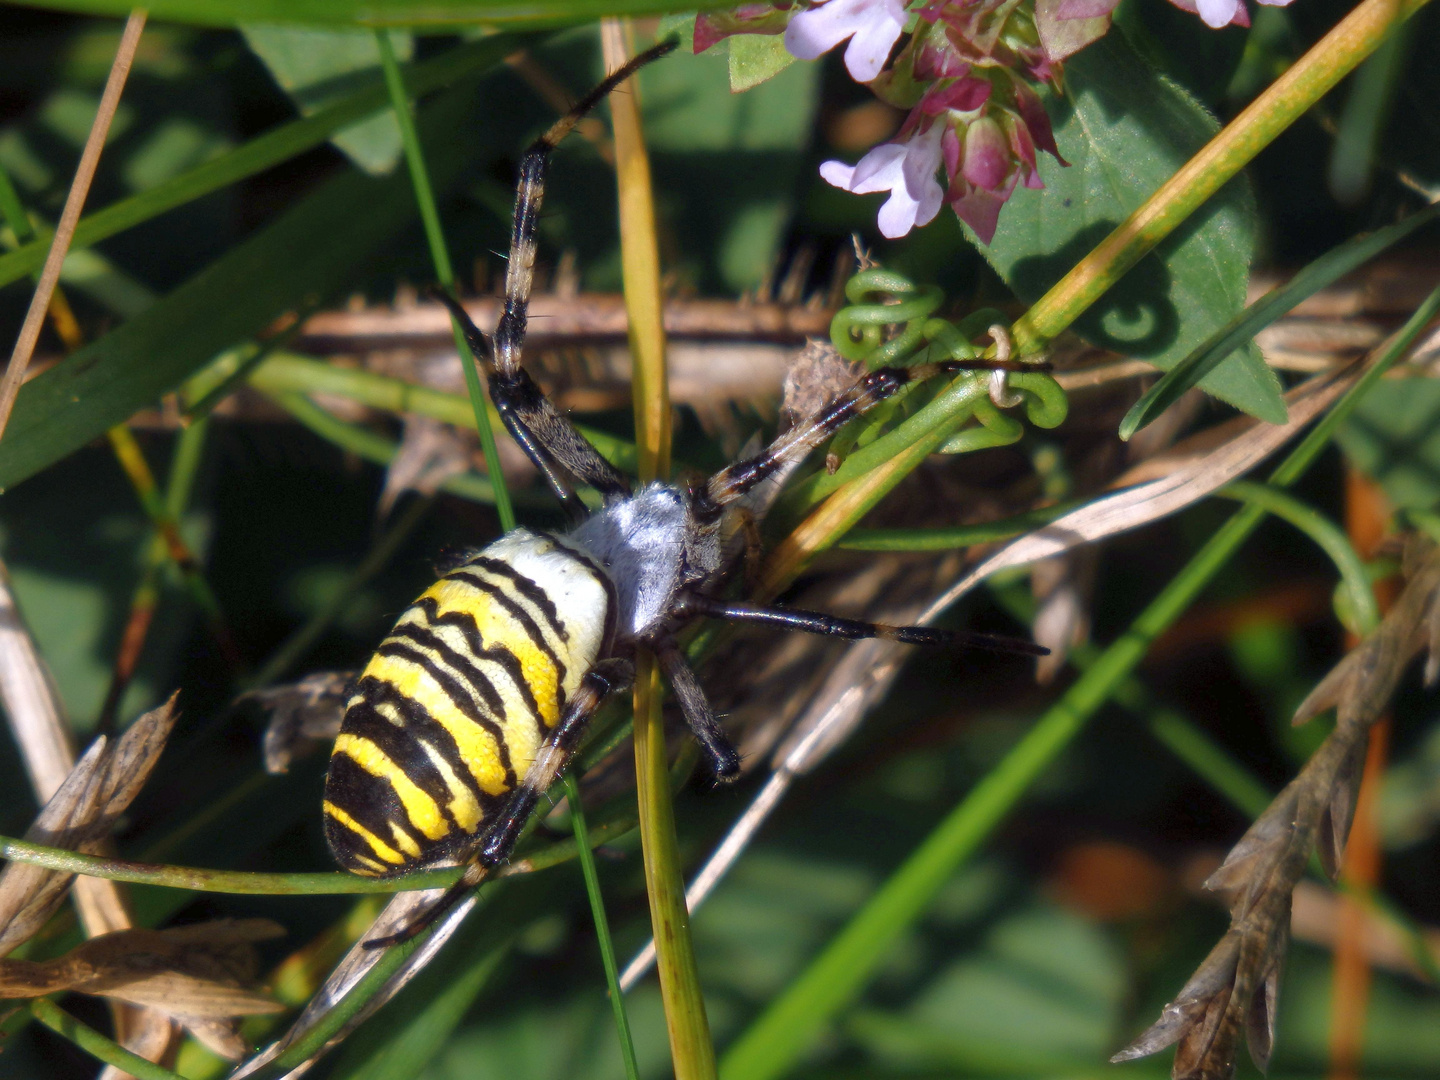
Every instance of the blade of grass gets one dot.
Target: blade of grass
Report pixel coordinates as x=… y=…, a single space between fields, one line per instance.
x=602 y=924
x=440 y=256
x=958 y=536
x=691 y=1050
x=773 y=1043
x=263 y=152
x=1328 y=536
x=374 y=447
x=70 y=215
x=315 y=248
x=428 y=16
x=1326 y=270
x=284 y=372
x=95 y=1044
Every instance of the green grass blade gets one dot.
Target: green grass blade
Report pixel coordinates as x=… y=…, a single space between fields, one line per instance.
x=434 y=16
x=314 y=248
x=1328 y=536
x=773 y=1043
x=95 y=1044
x=602 y=925
x=259 y=154
x=440 y=256
x=1324 y=271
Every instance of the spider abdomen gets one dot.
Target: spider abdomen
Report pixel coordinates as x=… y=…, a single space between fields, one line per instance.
x=451 y=710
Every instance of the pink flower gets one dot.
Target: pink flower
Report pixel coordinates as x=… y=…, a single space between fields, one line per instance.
x=873 y=27
x=1218 y=13
x=906 y=170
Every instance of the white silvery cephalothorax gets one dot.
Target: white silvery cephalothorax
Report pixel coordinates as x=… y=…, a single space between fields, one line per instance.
x=650 y=546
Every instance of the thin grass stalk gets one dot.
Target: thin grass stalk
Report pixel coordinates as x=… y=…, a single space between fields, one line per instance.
x=440 y=256
x=374 y=447
x=285 y=372
x=144 y=600
x=691 y=1049
x=70 y=215
x=602 y=925
x=773 y=1043
x=1287 y=99
x=95 y=1044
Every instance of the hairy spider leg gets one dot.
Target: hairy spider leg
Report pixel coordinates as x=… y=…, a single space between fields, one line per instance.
x=719 y=752
x=542 y=431
x=733 y=482
x=498 y=841
x=818 y=622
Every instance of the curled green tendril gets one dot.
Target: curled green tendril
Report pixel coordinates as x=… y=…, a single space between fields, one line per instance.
x=880 y=299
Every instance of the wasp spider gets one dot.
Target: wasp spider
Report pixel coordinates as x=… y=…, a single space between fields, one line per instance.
x=477 y=699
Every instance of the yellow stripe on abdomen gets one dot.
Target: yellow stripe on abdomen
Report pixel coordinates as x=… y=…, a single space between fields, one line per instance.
x=422 y=811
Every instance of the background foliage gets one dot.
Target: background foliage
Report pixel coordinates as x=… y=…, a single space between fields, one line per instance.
x=1039 y=959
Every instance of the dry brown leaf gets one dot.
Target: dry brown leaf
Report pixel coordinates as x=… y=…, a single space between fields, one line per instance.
x=1234 y=991
x=398 y=913
x=196 y=971
x=303 y=715
x=430 y=453
x=78 y=816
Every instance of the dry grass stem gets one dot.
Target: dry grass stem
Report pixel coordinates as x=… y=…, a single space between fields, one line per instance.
x=70 y=216
x=1233 y=992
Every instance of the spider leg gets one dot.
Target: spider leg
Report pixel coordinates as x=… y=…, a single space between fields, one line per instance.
x=719 y=753
x=549 y=440
x=731 y=483
x=815 y=622
x=498 y=841
x=546 y=436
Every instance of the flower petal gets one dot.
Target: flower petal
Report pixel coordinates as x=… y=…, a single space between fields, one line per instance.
x=871 y=45
x=880 y=169
x=1217 y=13
x=815 y=32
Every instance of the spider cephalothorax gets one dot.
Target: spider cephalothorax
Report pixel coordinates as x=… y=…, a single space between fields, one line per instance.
x=479 y=696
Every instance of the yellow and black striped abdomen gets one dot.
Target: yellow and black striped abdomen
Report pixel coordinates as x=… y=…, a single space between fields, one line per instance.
x=449 y=713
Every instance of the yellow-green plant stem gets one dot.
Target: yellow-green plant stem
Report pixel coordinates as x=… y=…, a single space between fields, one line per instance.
x=247 y=883
x=440 y=255
x=602 y=924
x=1357 y=35
x=691 y=1050
x=291 y=373
x=95 y=1044
x=1308 y=80
x=774 y=1042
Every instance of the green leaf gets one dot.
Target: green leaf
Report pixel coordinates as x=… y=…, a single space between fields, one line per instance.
x=312 y=250
x=1394 y=437
x=1326 y=270
x=695 y=125
x=436 y=16
x=1125 y=130
x=316 y=67
x=754 y=58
